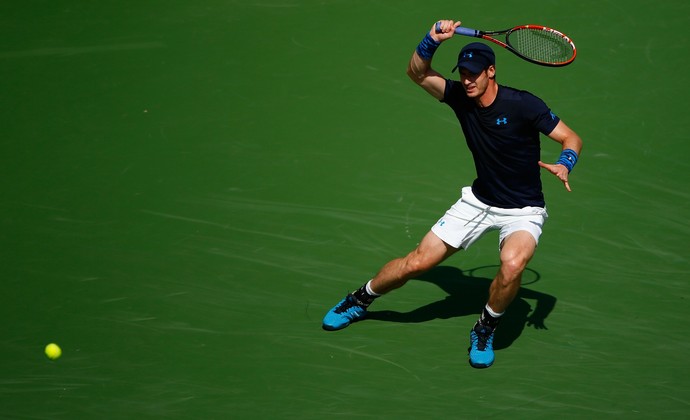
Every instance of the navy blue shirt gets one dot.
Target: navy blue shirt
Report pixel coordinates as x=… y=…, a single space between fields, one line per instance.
x=504 y=141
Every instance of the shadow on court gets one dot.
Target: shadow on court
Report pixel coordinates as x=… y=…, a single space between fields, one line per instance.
x=467 y=295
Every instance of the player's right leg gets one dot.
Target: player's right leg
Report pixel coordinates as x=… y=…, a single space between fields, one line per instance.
x=429 y=253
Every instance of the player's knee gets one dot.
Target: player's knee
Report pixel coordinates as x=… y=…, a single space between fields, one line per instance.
x=418 y=264
x=513 y=267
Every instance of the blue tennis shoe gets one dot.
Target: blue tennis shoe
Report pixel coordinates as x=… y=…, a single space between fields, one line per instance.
x=481 y=346
x=347 y=311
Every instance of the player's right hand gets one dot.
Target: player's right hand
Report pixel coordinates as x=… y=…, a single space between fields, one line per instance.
x=447 y=30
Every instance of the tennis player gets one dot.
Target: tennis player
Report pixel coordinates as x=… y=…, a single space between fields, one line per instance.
x=501 y=126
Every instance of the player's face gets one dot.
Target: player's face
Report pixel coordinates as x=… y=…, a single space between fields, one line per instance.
x=475 y=84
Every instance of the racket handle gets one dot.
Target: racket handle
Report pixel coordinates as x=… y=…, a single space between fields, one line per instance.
x=460 y=30
x=467 y=31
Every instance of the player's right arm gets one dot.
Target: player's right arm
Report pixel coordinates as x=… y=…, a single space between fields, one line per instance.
x=419 y=69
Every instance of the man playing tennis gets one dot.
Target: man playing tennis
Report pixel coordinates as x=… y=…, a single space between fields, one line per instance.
x=501 y=126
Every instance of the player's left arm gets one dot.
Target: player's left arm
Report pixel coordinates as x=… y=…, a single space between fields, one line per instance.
x=569 y=140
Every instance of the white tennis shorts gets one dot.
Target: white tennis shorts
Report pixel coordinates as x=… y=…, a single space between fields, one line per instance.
x=468 y=219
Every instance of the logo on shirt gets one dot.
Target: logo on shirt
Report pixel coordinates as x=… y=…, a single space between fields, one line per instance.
x=553 y=116
x=502 y=121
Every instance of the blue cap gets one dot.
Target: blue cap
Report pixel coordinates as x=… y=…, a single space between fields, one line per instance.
x=475 y=57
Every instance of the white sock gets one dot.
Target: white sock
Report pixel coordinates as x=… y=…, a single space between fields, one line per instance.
x=492 y=312
x=371 y=292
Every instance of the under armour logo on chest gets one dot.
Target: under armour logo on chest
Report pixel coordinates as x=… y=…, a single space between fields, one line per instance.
x=503 y=121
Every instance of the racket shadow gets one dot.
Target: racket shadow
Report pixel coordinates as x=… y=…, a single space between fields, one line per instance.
x=467 y=295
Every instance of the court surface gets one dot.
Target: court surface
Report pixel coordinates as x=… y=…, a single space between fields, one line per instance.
x=187 y=188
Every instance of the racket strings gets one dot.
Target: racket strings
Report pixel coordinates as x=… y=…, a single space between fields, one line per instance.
x=541 y=45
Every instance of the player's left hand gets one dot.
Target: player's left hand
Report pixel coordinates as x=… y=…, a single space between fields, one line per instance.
x=559 y=170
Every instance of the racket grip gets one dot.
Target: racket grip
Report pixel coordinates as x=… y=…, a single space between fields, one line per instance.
x=466 y=31
x=460 y=30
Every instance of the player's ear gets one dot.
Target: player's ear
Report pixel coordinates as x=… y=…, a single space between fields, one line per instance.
x=491 y=71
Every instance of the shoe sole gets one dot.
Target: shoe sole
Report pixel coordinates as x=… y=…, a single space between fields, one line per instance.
x=480 y=365
x=329 y=328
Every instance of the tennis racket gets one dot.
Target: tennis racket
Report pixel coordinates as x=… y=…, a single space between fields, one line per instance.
x=534 y=43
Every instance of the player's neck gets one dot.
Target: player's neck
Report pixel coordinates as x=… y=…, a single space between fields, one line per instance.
x=489 y=95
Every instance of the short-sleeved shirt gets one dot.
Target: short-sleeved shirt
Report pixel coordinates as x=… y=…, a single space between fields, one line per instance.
x=504 y=141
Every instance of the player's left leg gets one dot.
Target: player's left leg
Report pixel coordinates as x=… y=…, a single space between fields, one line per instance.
x=517 y=250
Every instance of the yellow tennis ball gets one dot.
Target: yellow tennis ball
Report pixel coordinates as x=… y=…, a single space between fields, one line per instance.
x=53 y=351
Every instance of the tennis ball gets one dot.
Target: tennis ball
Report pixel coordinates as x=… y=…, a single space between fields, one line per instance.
x=53 y=351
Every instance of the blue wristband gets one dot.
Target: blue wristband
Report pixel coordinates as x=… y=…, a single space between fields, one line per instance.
x=568 y=159
x=427 y=47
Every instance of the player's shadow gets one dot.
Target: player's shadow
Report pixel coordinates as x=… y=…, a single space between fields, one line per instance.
x=467 y=295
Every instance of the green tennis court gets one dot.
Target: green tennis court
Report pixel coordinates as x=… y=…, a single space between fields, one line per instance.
x=187 y=187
